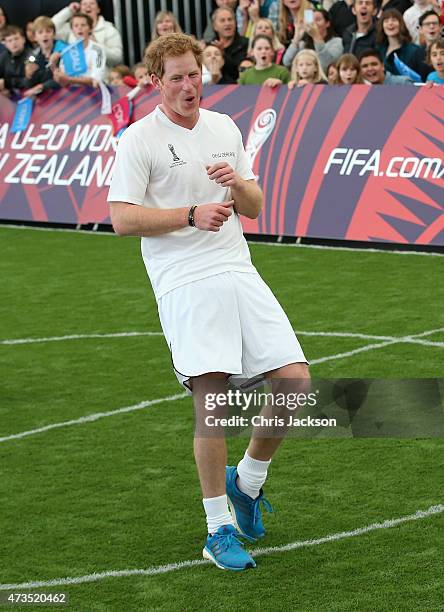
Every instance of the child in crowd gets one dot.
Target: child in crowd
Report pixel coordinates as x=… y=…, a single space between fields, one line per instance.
x=104 y=32
x=213 y=62
x=306 y=69
x=141 y=75
x=117 y=75
x=15 y=67
x=265 y=72
x=82 y=26
x=265 y=26
x=46 y=57
x=332 y=73
x=435 y=57
x=165 y=22
x=349 y=70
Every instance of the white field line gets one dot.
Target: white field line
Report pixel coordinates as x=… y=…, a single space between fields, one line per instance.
x=410 y=338
x=362 y=349
x=275 y=244
x=94 y=417
x=259 y=552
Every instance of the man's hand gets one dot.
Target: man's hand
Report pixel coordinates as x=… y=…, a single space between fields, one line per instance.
x=74 y=7
x=223 y=174
x=211 y=217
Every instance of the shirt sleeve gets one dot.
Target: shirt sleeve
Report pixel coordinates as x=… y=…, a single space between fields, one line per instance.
x=132 y=169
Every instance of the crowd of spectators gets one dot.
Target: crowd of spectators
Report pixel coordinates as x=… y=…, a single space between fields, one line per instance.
x=260 y=42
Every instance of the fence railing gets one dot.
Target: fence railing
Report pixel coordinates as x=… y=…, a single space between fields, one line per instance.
x=134 y=19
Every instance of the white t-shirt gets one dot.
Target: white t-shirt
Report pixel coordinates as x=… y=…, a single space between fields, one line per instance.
x=162 y=165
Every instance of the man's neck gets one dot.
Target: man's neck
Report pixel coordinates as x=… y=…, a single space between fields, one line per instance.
x=363 y=28
x=185 y=122
x=227 y=41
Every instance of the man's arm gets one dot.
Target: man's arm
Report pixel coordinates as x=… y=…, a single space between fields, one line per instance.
x=134 y=220
x=247 y=195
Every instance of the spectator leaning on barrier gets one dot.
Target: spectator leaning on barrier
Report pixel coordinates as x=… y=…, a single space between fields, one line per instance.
x=229 y=41
x=165 y=22
x=373 y=71
x=264 y=72
x=412 y=15
x=429 y=29
x=341 y=16
x=104 y=32
x=209 y=33
x=332 y=73
x=265 y=26
x=141 y=75
x=435 y=57
x=46 y=57
x=318 y=36
x=117 y=75
x=394 y=38
x=361 y=35
x=13 y=71
x=306 y=69
x=349 y=70
x=82 y=26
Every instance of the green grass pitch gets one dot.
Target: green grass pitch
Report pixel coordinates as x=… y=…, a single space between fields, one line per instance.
x=122 y=492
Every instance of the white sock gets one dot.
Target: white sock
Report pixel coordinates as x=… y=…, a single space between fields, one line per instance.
x=217 y=511
x=252 y=474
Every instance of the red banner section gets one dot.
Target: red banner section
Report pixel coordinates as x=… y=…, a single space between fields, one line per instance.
x=355 y=163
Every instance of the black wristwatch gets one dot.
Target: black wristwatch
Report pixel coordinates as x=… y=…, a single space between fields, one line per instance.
x=191 y=222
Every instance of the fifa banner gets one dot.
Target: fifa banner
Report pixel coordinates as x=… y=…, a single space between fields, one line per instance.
x=355 y=163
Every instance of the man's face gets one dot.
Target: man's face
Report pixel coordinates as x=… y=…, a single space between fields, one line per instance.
x=224 y=24
x=372 y=70
x=15 y=43
x=44 y=37
x=80 y=27
x=430 y=29
x=180 y=87
x=365 y=11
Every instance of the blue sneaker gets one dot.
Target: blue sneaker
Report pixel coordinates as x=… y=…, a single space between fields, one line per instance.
x=245 y=510
x=226 y=551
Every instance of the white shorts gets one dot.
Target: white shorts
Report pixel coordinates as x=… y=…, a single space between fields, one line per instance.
x=229 y=322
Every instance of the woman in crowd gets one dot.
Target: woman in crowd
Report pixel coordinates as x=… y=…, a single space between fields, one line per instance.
x=349 y=70
x=250 y=11
x=318 y=36
x=213 y=62
x=435 y=57
x=393 y=37
x=265 y=72
x=291 y=15
x=306 y=69
x=165 y=23
x=104 y=32
x=265 y=26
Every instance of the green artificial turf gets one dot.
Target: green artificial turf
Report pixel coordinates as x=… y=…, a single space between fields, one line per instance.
x=122 y=492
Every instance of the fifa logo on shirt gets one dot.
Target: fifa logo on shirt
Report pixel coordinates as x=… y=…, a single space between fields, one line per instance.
x=173 y=153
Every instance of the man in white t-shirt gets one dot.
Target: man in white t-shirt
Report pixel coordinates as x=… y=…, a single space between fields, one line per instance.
x=181 y=180
x=82 y=27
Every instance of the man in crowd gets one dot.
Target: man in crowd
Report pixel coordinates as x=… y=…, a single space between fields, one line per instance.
x=412 y=15
x=15 y=67
x=429 y=29
x=181 y=181
x=82 y=26
x=209 y=33
x=373 y=71
x=228 y=40
x=362 y=34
